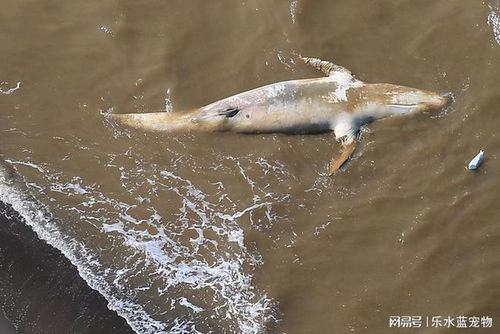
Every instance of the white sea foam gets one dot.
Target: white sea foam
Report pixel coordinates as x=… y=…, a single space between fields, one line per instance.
x=168 y=101
x=184 y=302
x=293 y=10
x=89 y=268
x=494 y=22
x=180 y=272
x=107 y=30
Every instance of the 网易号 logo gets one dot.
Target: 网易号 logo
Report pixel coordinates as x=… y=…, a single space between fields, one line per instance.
x=437 y=321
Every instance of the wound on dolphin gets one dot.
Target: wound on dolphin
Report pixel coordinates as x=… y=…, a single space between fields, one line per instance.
x=338 y=102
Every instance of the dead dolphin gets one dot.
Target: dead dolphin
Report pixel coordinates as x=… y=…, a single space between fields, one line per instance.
x=337 y=102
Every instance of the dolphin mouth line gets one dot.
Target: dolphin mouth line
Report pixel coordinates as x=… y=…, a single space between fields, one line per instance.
x=402 y=109
x=408 y=106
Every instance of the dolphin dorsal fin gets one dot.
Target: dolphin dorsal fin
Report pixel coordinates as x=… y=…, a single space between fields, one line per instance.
x=326 y=67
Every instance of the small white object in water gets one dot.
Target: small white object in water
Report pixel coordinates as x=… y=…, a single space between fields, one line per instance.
x=10 y=90
x=476 y=162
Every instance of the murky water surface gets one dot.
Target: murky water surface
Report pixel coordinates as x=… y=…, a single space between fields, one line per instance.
x=231 y=233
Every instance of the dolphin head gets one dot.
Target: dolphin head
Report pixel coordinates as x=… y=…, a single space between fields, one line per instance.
x=382 y=100
x=404 y=100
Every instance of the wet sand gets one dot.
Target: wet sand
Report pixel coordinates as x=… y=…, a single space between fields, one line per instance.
x=41 y=291
x=6 y=326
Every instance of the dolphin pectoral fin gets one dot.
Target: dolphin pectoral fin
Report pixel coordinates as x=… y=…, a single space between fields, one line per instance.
x=324 y=66
x=347 y=151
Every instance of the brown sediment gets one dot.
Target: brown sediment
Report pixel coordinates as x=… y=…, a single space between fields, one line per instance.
x=404 y=230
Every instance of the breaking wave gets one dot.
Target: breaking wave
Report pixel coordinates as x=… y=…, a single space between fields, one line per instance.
x=168 y=257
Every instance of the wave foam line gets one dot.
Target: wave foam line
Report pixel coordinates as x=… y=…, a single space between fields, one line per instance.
x=16 y=194
x=494 y=22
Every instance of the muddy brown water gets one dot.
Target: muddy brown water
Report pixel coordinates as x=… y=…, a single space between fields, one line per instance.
x=231 y=233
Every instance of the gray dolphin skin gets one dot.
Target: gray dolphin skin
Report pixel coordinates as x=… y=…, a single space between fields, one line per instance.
x=338 y=102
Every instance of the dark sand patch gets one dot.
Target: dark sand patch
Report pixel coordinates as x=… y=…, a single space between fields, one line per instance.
x=41 y=291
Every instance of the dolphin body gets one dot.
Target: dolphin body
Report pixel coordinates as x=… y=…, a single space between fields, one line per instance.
x=338 y=102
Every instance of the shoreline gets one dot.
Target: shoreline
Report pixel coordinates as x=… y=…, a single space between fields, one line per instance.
x=41 y=291
x=6 y=327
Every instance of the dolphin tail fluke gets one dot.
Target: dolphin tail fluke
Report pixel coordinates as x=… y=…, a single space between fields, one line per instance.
x=347 y=151
x=156 y=121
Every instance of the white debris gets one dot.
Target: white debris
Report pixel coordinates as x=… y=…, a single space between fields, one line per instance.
x=476 y=162
x=10 y=90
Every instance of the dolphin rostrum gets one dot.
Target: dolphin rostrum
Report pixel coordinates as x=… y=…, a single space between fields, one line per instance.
x=337 y=102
